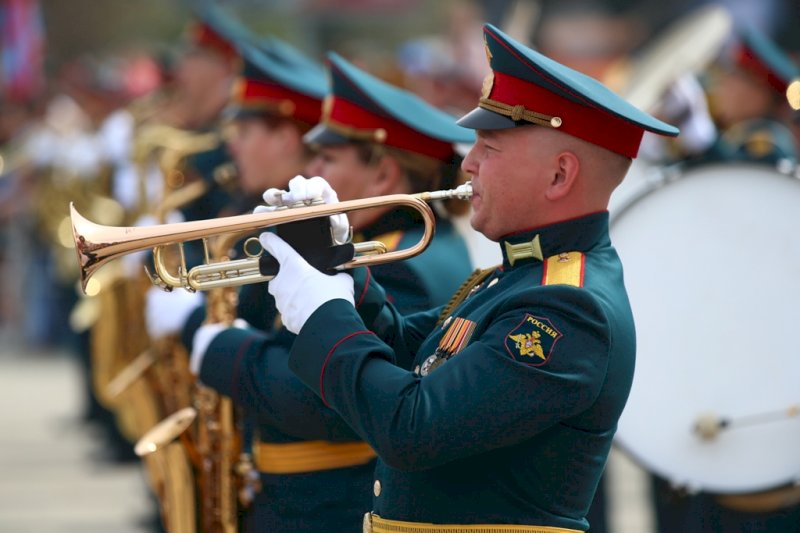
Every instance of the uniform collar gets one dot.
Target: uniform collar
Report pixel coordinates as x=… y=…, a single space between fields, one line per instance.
x=573 y=235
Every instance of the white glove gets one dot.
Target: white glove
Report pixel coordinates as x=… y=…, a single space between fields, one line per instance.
x=203 y=338
x=300 y=289
x=307 y=190
x=685 y=103
x=167 y=312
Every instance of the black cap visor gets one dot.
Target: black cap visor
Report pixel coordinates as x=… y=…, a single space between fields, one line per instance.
x=322 y=135
x=483 y=119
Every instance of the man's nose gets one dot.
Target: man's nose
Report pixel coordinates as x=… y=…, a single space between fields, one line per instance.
x=468 y=164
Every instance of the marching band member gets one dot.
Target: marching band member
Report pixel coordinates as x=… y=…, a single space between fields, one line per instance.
x=374 y=139
x=748 y=100
x=496 y=412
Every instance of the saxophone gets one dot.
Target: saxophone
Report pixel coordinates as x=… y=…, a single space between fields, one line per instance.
x=120 y=300
x=209 y=441
x=159 y=377
x=224 y=470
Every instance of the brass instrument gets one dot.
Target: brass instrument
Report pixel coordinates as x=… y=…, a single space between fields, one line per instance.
x=161 y=373
x=96 y=245
x=222 y=470
x=170 y=146
x=218 y=437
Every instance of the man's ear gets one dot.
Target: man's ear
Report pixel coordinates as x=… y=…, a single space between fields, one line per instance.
x=564 y=177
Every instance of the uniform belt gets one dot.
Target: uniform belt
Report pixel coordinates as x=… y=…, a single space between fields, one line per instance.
x=375 y=524
x=762 y=502
x=309 y=456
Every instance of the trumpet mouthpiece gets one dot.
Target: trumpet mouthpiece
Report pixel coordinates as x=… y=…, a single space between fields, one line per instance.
x=462 y=192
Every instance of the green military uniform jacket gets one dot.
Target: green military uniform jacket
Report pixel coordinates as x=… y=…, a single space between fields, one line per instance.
x=252 y=368
x=502 y=412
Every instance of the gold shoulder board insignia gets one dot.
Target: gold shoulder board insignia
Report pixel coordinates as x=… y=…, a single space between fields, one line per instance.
x=564 y=269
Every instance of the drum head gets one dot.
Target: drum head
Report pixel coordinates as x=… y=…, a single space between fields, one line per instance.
x=712 y=268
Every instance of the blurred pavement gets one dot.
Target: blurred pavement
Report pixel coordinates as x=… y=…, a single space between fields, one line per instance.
x=50 y=477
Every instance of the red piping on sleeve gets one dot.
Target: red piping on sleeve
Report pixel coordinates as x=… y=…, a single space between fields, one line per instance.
x=325 y=363
x=364 y=290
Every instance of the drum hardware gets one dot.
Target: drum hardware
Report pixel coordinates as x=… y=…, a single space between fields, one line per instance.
x=710 y=425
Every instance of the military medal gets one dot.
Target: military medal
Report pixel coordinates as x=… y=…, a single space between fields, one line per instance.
x=453 y=341
x=432 y=363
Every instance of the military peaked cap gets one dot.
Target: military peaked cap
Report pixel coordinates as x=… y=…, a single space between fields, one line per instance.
x=765 y=60
x=525 y=87
x=214 y=28
x=277 y=79
x=362 y=107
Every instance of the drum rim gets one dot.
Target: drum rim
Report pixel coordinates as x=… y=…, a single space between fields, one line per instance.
x=660 y=177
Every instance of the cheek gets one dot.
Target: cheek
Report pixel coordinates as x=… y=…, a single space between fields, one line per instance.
x=345 y=180
x=332 y=173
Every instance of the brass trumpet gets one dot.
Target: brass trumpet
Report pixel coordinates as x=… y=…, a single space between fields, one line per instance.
x=96 y=244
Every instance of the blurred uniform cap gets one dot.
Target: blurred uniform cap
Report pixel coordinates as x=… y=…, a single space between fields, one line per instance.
x=525 y=87
x=757 y=54
x=361 y=107
x=277 y=79
x=214 y=29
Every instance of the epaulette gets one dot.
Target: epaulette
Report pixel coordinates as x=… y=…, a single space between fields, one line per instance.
x=474 y=279
x=566 y=268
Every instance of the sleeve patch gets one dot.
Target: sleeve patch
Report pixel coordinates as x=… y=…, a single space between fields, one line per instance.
x=533 y=340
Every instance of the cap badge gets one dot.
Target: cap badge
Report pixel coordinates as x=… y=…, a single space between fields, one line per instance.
x=488 y=83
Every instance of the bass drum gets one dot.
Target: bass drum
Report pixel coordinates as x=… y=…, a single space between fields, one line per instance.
x=712 y=268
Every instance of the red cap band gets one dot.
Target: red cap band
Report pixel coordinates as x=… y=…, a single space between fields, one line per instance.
x=277 y=98
x=202 y=35
x=592 y=124
x=748 y=60
x=343 y=115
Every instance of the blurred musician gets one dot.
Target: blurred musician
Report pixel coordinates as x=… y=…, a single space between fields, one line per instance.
x=374 y=140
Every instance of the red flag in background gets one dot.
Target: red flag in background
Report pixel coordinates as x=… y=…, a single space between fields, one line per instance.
x=21 y=49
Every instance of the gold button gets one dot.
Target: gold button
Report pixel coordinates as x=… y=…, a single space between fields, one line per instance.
x=376 y=488
x=793 y=94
